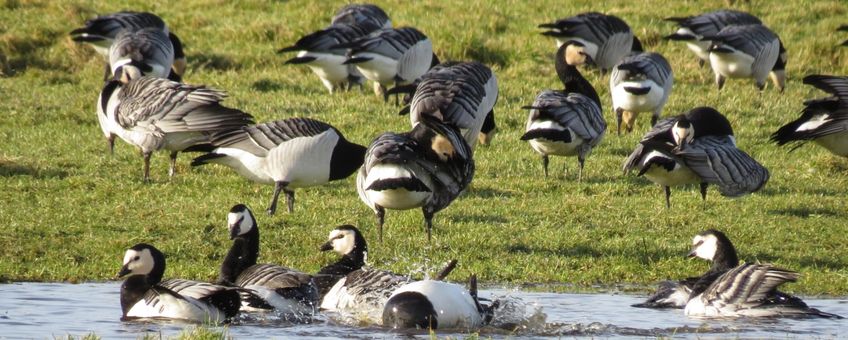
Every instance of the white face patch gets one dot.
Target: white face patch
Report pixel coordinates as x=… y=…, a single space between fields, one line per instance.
x=139 y=262
x=681 y=134
x=342 y=241
x=705 y=247
x=241 y=221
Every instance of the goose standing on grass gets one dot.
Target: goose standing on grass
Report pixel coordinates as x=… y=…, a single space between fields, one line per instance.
x=567 y=122
x=427 y=167
x=352 y=288
x=319 y=51
x=155 y=114
x=145 y=295
x=460 y=94
x=268 y=286
x=745 y=291
x=696 y=147
x=823 y=120
x=711 y=245
x=101 y=32
x=290 y=153
x=391 y=56
x=747 y=51
x=694 y=28
x=147 y=51
x=357 y=14
x=606 y=38
x=430 y=304
x=640 y=83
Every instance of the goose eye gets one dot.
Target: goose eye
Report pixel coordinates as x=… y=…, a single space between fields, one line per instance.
x=699 y=243
x=136 y=258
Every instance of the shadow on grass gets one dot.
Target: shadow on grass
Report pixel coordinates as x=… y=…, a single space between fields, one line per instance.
x=10 y=169
x=212 y=61
x=487 y=55
x=266 y=85
x=487 y=192
x=805 y=212
x=22 y=53
x=478 y=218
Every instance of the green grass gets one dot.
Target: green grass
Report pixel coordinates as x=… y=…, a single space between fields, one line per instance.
x=69 y=209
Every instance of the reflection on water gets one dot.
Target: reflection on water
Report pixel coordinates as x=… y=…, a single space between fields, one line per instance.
x=45 y=310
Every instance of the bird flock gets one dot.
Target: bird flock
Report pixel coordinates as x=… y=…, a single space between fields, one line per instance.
x=451 y=110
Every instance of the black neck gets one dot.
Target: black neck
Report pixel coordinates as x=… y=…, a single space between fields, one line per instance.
x=573 y=81
x=725 y=257
x=347 y=158
x=132 y=291
x=243 y=254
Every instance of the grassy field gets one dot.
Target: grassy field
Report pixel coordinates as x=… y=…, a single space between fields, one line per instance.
x=68 y=209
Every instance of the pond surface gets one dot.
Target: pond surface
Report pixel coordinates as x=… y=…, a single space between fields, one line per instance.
x=48 y=310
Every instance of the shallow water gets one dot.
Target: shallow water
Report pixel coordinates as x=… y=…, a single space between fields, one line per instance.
x=47 y=310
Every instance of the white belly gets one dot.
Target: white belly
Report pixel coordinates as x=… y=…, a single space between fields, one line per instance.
x=648 y=102
x=732 y=65
x=453 y=304
x=679 y=175
x=380 y=68
x=327 y=66
x=303 y=161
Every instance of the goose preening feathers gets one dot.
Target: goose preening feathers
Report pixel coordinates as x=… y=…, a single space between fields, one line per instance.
x=462 y=94
x=607 y=38
x=155 y=114
x=145 y=295
x=696 y=147
x=567 y=122
x=427 y=167
x=146 y=51
x=431 y=304
x=290 y=153
x=103 y=30
x=823 y=121
x=267 y=286
x=640 y=83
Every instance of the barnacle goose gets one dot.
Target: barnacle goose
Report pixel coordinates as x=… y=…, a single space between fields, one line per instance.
x=145 y=295
x=427 y=167
x=607 y=38
x=391 y=56
x=146 y=51
x=290 y=153
x=431 y=304
x=460 y=94
x=319 y=51
x=356 y=14
x=268 y=286
x=750 y=290
x=154 y=114
x=694 y=28
x=823 y=120
x=351 y=287
x=567 y=122
x=711 y=245
x=747 y=51
x=101 y=32
x=640 y=83
x=696 y=147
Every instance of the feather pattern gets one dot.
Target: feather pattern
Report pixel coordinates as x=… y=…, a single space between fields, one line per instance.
x=149 y=46
x=710 y=23
x=358 y=14
x=717 y=161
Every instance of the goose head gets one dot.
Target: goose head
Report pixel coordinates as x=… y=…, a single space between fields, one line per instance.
x=345 y=240
x=573 y=53
x=240 y=221
x=143 y=259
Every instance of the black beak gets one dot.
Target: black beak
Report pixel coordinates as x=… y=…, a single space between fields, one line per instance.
x=124 y=271
x=327 y=246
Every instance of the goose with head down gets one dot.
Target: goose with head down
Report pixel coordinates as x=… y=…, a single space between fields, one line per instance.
x=697 y=147
x=427 y=167
x=606 y=38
